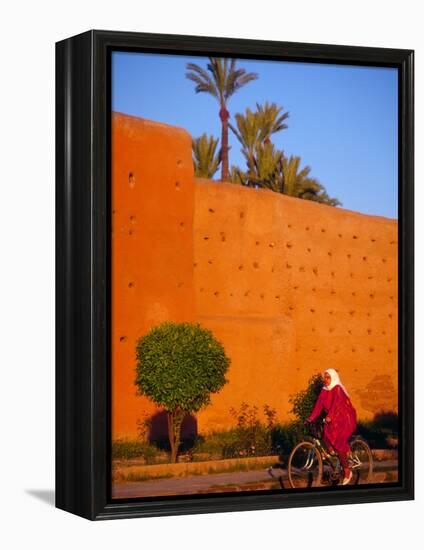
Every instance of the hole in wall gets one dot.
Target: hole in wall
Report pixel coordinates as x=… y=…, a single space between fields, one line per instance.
x=131 y=284
x=123 y=339
x=131 y=179
x=177 y=186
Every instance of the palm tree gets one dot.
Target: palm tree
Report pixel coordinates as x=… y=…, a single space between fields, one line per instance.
x=206 y=159
x=269 y=167
x=222 y=82
x=271 y=120
x=254 y=129
x=248 y=133
x=299 y=184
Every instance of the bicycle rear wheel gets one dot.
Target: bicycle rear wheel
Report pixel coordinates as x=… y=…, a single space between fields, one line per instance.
x=361 y=461
x=305 y=466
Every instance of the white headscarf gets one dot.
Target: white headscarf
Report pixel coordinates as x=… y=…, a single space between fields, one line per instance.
x=335 y=381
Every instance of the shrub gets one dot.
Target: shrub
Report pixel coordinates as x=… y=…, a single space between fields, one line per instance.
x=250 y=436
x=303 y=402
x=125 y=449
x=286 y=436
x=380 y=431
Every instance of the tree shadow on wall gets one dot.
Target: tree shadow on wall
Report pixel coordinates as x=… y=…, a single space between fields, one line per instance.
x=158 y=431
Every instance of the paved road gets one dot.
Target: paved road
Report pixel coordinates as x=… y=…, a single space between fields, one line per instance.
x=253 y=480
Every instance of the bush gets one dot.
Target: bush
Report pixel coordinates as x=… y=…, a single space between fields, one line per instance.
x=380 y=431
x=304 y=401
x=250 y=436
x=286 y=436
x=125 y=449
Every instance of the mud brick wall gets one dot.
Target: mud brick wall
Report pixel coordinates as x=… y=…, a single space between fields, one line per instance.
x=290 y=287
x=152 y=248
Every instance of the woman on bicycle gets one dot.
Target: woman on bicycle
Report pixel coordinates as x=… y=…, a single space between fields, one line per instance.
x=340 y=419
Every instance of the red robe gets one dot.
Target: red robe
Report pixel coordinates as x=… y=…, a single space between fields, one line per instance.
x=342 y=414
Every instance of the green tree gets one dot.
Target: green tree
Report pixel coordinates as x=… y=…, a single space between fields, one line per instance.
x=222 y=81
x=206 y=159
x=179 y=366
x=253 y=130
x=298 y=183
x=271 y=120
x=303 y=402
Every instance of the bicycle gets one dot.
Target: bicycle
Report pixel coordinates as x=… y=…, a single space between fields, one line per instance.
x=311 y=464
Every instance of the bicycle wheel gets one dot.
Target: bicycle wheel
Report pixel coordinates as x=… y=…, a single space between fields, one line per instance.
x=305 y=466
x=361 y=461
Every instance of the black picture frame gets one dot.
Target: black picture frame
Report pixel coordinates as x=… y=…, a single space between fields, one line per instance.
x=83 y=278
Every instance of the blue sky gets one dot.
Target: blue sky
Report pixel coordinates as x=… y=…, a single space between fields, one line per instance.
x=342 y=119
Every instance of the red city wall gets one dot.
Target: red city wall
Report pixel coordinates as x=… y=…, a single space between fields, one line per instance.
x=290 y=287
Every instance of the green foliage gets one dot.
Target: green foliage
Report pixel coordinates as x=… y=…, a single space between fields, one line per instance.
x=303 y=402
x=297 y=183
x=250 y=437
x=223 y=79
x=179 y=365
x=253 y=130
x=382 y=431
x=127 y=449
x=206 y=159
x=286 y=436
x=268 y=167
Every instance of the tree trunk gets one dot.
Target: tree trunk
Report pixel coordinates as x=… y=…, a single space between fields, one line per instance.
x=224 y=115
x=175 y=419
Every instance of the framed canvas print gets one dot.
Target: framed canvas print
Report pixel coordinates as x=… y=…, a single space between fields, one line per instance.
x=234 y=274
